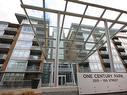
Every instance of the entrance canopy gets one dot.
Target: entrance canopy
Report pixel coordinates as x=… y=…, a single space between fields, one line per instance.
x=76 y=29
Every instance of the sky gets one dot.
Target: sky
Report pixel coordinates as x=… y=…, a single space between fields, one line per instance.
x=8 y=8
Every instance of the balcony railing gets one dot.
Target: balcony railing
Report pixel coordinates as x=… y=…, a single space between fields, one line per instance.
x=123 y=54
x=65 y=69
x=15 y=84
x=35 y=48
x=7 y=36
x=117 y=42
x=125 y=61
x=104 y=52
x=4 y=45
x=103 y=48
x=34 y=57
x=106 y=61
x=33 y=68
x=10 y=29
x=120 y=48
x=3 y=56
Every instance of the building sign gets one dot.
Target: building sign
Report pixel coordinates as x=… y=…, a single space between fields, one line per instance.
x=91 y=83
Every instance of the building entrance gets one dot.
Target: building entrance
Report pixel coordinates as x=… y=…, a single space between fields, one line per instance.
x=62 y=79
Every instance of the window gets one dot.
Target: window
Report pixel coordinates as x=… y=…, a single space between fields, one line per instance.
x=24 y=44
x=26 y=37
x=3 y=26
x=26 y=29
x=21 y=53
x=14 y=65
x=1 y=32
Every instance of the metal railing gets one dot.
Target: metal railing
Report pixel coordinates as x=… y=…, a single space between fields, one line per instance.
x=15 y=84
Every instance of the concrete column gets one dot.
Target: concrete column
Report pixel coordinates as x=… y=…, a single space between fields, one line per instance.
x=56 y=68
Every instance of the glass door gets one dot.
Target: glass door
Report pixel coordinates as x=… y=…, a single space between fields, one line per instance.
x=62 y=79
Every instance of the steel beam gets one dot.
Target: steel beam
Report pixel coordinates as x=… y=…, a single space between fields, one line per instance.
x=115 y=20
x=63 y=19
x=56 y=69
x=68 y=13
x=98 y=6
x=109 y=46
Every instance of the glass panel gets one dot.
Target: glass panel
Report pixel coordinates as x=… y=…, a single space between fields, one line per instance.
x=27 y=37
x=123 y=17
x=52 y=4
x=108 y=13
x=32 y=2
x=14 y=65
x=23 y=44
x=1 y=32
x=20 y=53
x=71 y=8
x=69 y=20
x=94 y=11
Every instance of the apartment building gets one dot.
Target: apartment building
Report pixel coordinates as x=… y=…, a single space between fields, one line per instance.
x=21 y=58
x=9 y=33
x=25 y=57
x=99 y=61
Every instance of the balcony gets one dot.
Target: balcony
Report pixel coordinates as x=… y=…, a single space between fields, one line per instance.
x=103 y=48
x=4 y=45
x=35 y=43
x=78 y=43
x=35 y=50
x=2 y=58
x=7 y=36
x=10 y=31
x=124 y=57
x=117 y=42
x=125 y=64
x=42 y=40
x=84 y=64
x=40 y=33
x=106 y=63
x=120 y=49
x=33 y=68
x=4 y=48
x=115 y=38
x=104 y=54
x=6 y=39
x=15 y=84
x=82 y=56
x=79 y=37
x=65 y=70
x=33 y=61
x=123 y=54
x=33 y=57
x=125 y=61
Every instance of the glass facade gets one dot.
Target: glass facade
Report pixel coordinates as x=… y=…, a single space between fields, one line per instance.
x=116 y=60
x=21 y=53
x=94 y=62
